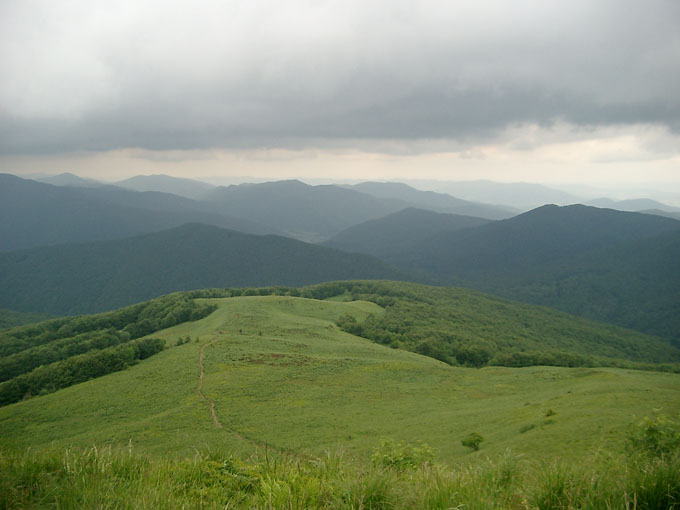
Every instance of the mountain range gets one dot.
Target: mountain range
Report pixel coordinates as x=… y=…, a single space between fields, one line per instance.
x=37 y=214
x=607 y=265
x=612 y=266
x=438 y=202
x=520 y=195
x=92 y=277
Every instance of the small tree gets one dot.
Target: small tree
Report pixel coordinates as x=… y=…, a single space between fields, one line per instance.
x=472 y=441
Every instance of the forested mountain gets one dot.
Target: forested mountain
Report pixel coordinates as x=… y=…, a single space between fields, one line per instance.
x=387 y=236
x=439 y=202
x=166 y=184
x=508 y=248
x=306 y=212
x=98 y=276
x=608 y=265
x=35 y=214
x=635 y=284
x=10 y=318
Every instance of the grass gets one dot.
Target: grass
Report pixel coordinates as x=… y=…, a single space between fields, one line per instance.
x=284 y=379
x=113 y=479
x=289 y=387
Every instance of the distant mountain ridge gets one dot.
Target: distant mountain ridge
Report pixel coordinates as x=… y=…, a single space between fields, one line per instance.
x=189 y=188
x=522 y=195
x=392 y=234
x=98 y=276
x=430 y=200
x=69 y=179
x=37 y=214
x=544 y=234
x=311 y=213
x=632 y=205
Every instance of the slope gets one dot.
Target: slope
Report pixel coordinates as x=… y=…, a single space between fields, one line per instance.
x=439 y=202
x=396 y=232
x=92 y=277
x=635 y=284
x=309 y=213
x=282 y=376
x=555 y=255
x=36 y=214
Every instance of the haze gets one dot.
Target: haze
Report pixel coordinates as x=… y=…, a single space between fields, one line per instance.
x=584 y=92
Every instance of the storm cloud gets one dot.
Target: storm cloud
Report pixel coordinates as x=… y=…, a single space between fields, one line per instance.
x=176 y=75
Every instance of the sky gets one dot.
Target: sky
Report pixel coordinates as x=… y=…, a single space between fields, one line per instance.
x=585 y=91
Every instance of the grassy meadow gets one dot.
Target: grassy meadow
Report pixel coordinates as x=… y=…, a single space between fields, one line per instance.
x=282 y=374
x=289 y=386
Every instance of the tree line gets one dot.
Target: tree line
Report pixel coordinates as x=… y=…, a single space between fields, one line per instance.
x=77 y=369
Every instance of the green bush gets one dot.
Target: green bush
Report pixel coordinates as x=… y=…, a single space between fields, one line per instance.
x=472 y=441
x=402 y=456
x=656 y=436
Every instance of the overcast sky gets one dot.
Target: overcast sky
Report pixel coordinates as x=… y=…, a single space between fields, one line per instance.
x=551 y=91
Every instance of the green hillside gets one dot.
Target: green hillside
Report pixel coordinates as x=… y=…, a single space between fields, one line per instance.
x=244 y=405
x=635 y=284
x=611 y=266
x=93 y=277
x=280 y=372
x=464 y=327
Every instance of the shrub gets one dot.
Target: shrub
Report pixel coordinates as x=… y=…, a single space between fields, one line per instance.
x=402 y=456
x=656 y=436
x=472 y=441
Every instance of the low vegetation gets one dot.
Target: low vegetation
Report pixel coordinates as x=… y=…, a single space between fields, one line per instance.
x=255 y=386
x=398 y=476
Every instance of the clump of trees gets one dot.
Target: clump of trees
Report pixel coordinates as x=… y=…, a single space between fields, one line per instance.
x=27 y=360
x=77 y=369
x=136 y=321
x=44 y=357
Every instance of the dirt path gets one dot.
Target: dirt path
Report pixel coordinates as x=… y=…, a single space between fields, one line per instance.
x=254 y=442
x=200 y=386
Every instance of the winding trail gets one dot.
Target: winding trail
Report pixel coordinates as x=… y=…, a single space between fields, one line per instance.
x=219 y=425
x=200 y=386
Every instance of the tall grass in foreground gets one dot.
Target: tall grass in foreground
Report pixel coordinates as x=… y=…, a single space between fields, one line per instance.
x=117 y=479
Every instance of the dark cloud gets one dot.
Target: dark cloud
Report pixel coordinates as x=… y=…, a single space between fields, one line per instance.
x=97 y=76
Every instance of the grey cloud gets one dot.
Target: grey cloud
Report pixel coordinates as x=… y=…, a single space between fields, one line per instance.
x=309 y=73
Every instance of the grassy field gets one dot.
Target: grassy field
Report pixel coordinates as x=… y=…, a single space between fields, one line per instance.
x=284 y=378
